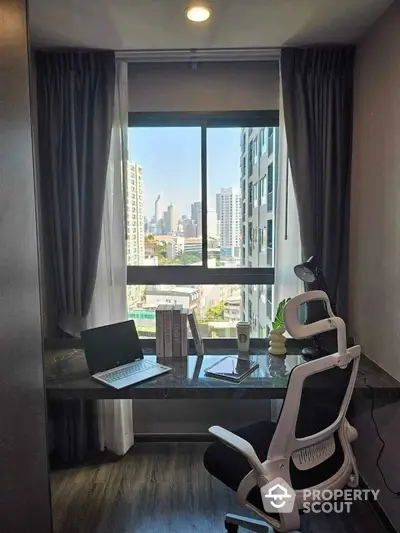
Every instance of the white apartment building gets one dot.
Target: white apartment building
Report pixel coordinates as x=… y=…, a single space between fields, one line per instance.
x=230 y=223
x=175 y=247
x=212 y=223
x=259 y=171
x=134 y=224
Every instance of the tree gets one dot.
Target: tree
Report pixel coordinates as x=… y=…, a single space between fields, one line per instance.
x=149 y=237
x=188 y=258
x=182 y=259
x=215 y=312
x=161 y=250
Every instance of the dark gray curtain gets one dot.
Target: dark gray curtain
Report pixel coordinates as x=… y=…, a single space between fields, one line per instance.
x=75 y=109
x=317 y=86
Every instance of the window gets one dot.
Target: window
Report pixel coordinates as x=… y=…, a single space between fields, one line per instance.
x=263 y=191
x=189 y=237
x=270 y=186
x=243 y=166
x=263 y=143
x=250 y=199
x=251 y=158
x=264 y=135
x=263 y=239
x=255 y=150
x=250 y=246
x=269 y=241
x=270 y=141
x=255 y=238
x=218 y=307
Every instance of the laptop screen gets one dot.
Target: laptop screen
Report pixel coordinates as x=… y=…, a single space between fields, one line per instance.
x=110 y=346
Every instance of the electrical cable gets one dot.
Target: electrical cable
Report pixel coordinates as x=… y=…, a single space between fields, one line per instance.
x=383 y=443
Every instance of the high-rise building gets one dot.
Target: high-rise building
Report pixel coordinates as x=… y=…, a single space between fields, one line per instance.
x=212 y=228
x=134 y=224
x=189 y=228
x=157 y=209
x=218 y=205
x=230 y=224
x=134 y=215
x=160 y=227
x=171 y=219
x=259 y=171
x=196 y=217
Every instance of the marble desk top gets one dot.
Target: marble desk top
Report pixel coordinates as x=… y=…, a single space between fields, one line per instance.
x=68 y=377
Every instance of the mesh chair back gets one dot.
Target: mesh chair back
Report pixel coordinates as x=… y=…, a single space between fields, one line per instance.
x=313 y=414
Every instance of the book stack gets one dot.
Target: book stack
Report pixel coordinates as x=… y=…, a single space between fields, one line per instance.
x=172 y=331
x=194 y=327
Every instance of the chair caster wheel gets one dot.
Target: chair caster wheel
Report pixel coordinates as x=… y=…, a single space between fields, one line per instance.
x=231 y=528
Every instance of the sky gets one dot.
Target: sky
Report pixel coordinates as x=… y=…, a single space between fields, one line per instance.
x=171 y=158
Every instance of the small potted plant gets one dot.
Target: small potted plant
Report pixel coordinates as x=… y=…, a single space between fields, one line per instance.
x=277 y=341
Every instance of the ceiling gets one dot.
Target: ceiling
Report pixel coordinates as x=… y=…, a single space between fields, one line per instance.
x=161 y=24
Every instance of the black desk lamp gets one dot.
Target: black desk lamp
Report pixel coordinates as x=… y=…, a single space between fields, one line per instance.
x=310 y=272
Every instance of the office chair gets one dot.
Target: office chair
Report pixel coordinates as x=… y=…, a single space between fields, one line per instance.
x=309 y=447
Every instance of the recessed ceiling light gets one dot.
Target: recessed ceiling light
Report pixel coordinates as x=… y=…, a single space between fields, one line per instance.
x=198 y=13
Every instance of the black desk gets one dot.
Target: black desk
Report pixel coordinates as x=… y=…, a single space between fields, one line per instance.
x=67 y=377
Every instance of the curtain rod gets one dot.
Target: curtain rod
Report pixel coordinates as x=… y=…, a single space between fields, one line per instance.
x=210 y=54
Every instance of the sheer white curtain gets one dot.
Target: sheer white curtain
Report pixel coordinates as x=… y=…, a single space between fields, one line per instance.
x=109 y=305
x=287 y=234
x=287 y=229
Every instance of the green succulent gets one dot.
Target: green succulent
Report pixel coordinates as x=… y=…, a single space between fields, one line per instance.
x=278 y=322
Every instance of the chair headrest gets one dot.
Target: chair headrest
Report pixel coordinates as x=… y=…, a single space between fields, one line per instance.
x=301 y=331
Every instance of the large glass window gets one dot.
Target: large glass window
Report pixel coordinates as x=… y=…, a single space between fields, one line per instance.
x=164 y=210
x=218 y=307
x=190 y=202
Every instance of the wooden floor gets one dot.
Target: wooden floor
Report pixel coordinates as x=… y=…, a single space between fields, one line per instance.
x=164 y=488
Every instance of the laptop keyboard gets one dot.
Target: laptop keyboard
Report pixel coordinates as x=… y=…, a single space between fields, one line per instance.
x=122 y=373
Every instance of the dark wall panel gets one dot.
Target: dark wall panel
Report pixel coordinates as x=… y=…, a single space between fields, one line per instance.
x=24 y=487
x=219 y=86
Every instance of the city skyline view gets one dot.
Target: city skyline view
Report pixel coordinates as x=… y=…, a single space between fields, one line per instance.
x=164 y=221
x=166 y=154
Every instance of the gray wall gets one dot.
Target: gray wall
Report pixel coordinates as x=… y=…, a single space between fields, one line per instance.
x=375 y=240
x=215 y=86
x=48 y=290
x=24 y=486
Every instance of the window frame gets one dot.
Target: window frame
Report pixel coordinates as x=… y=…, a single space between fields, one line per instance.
x=202 y=275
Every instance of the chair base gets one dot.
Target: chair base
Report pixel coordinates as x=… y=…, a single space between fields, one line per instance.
x=233 y=522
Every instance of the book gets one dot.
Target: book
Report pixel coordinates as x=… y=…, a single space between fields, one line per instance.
x=184 y=332
x=231 y=368
x=168 y=319
x=198 y=341
x=160 y=331
x=176 y=330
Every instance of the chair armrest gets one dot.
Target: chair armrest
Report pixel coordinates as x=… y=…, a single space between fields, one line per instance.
x=240 y=445
x=351 y=432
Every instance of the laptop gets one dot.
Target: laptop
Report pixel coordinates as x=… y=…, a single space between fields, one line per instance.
x=114 y=355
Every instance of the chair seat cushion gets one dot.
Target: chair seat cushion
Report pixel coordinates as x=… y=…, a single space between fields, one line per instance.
x=230 y=467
